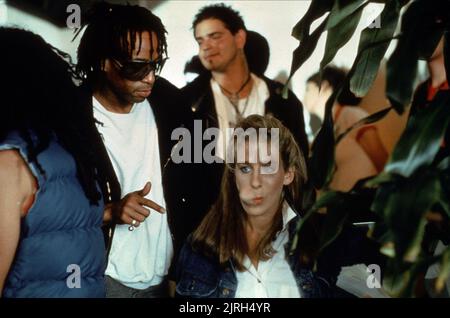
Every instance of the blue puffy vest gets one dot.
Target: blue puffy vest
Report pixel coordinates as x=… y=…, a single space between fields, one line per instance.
x=61 y=249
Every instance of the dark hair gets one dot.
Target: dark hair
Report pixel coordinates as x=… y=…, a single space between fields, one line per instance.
x=39 y=98
x=231 y=18
x=257 y=52
x=213 y=237
x=336 y=77
x=111 y=31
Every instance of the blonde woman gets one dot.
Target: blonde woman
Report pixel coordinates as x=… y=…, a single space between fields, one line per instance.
x=239 y=249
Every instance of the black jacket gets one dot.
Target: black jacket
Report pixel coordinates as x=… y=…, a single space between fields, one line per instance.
x=199 y=186
x=168 y=116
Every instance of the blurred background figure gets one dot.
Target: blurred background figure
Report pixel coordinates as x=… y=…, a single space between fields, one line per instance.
x=360 y=153
x=317 y=93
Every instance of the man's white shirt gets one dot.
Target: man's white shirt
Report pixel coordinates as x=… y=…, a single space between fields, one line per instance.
x=140 y=258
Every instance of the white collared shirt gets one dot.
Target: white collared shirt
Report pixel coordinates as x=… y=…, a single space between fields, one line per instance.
x=253 y=104
x=141 y=258
x=274 y=277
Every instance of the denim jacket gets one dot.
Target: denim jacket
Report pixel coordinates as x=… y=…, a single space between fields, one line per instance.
x=198 y=276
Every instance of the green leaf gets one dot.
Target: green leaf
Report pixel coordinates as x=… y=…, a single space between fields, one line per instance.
x=403 y=216
x=302 y=53
x=340 y=33
x=342 y=9
x=322 y=150
x=422 y=137
x=322 y=201
x=447 y=54
x=365 y=121
x=334 y=223
x=366 y=68
x=444 y=270
x=444 y=195
x=316 y=9
x=382 y=177
x=400 y=279
x=381 y=233
x=419 y=30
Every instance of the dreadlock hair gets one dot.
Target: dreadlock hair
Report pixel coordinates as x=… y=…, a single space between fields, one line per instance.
x=231 y=18
x=40 y=98
x=110 y=32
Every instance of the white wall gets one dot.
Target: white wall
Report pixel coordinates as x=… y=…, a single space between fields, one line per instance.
x=3 y=12
x=56 y=36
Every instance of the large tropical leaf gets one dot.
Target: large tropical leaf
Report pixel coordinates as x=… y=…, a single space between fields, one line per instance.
x=447 y=54
x=324 y=199
x=342 y=9
x=316 y=9
x=444 y=270
x=303 y=52
x=444 y=195
x=366 y=67
x=347 y=207
x=401 y=69
x=340 y=30
x=422 y=137
x=400 y=279
x=322 y=158
x=419 y=34
x=403 y=215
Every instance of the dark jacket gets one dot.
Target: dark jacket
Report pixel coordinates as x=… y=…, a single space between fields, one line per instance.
x=199 y=276
x=168 y=116
x=60 y=236
x=200 y=182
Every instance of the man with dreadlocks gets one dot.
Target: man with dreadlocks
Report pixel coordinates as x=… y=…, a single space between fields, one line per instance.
x=120 y=53
x=51 y=211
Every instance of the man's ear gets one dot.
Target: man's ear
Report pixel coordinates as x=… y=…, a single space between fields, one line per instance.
x=288 y=176
x=240 y=38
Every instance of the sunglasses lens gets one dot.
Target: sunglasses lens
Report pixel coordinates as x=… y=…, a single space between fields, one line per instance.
x=136 y=71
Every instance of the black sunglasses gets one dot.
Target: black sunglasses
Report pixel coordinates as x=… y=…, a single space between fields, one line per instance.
x=137 y=70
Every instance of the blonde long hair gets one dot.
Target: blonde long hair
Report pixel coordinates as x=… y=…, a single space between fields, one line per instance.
x=221 y=234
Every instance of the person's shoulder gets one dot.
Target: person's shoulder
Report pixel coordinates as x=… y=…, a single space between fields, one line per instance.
x=14 y=170
x=10 y=160
x=163 y=83
x=200 y=81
